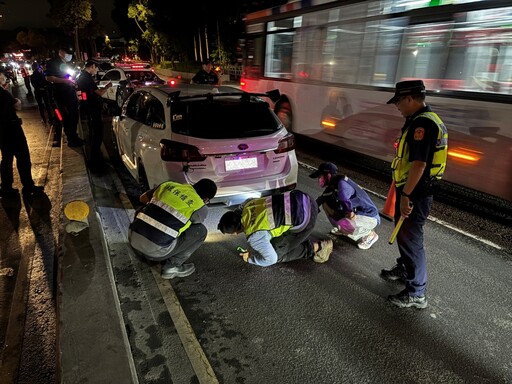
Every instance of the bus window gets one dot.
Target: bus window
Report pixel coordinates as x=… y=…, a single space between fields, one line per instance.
x=253 y=57
x=481 y=52
x=342 y=49
x=424 y=54
x=279 y=52
x=278 y=61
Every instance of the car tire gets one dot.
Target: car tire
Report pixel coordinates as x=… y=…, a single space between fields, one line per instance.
x=283 y=110
x=143 y=180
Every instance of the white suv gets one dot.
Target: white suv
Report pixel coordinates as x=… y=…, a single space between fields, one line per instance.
x=189 y=132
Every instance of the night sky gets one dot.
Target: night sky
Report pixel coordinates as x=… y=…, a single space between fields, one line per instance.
x=32 y=14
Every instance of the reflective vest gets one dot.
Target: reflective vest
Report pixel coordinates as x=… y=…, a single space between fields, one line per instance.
x=401 y=164
x=168 y=213
x=276 y=213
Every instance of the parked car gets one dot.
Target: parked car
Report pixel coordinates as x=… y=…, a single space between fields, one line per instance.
x=188 y=132
x=125 y=80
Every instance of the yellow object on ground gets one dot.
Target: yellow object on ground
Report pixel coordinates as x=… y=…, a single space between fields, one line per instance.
x=76 y=210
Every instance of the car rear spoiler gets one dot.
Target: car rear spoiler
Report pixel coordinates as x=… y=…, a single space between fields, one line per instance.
x=273 y=95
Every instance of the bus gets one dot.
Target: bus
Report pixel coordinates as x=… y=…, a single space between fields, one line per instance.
x=336 y=64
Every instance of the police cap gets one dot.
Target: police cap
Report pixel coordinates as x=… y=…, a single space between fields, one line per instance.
x=405 y=88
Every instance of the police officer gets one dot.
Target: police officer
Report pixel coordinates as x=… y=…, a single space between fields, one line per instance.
x=40 y=92
x=13 y=144
x=169 y=228
x=206 y=75
x=347 y=206
x=277 y=228
x=419 y=163
x=64 y=95
x=93 y=106
x=26 y=78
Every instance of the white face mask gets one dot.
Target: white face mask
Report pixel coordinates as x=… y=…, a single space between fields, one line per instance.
x=3 y=79
x=68 y=57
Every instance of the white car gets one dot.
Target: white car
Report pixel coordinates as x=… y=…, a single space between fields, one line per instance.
x=189 y=132
x=125 y=80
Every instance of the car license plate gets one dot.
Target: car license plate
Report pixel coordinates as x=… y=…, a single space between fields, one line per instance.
x=238 y=163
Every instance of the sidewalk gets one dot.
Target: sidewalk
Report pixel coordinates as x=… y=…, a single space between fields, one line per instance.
x=91 y=337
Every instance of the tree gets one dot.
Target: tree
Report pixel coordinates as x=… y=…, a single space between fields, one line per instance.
x=71 y=15
x=140 y=12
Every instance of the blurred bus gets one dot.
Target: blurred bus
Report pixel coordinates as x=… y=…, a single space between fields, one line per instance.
x=336 y=64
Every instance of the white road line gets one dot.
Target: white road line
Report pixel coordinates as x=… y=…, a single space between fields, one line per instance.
x=195 y=353
x=431 y=218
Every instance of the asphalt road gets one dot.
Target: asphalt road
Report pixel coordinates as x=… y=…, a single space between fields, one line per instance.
x=303 y=322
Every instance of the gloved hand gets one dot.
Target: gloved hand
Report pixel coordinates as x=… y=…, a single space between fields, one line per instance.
x=243 y=253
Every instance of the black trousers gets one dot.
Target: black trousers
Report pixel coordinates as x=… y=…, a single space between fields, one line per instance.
x=43 y=103
x=95 y=123
x=13 y=143
x=68 y=106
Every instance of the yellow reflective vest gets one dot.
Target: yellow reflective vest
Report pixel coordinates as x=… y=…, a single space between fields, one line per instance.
x=401 y=164
x=276 y=213
x=168 y=213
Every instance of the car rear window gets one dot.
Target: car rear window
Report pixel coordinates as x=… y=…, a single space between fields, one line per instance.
x=142 y=76
x=223 y=119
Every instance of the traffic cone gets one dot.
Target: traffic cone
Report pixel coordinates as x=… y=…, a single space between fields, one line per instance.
x=388 y=212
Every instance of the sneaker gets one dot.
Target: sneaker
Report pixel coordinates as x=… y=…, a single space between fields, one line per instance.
x=367 y=241
x=395 y=274
x=322 y=255
x=404 y=300
x=9 y=192
x=181 y=271
x=33 y=190
x=336 y=232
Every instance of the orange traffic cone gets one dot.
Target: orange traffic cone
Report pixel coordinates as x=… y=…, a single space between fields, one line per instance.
x=388 y=212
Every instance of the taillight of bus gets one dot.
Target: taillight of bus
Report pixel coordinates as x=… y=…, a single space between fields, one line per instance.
x=286 y=144
x=174 y=151
x=465 y=155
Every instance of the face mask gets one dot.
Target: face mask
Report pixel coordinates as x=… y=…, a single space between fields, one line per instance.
x=68 y=57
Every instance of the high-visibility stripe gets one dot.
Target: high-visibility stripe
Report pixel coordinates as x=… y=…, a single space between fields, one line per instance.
x=177 y=214
x=270 y=212
x=158 y=225
x=287 y=209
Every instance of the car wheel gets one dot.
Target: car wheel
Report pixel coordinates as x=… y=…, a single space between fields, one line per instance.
x=283 y=110
x=143 y=180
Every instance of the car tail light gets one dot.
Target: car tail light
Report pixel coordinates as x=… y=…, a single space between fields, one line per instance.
x=172 y=82
x=286 y=144
x=242 y=84
x=174 y=151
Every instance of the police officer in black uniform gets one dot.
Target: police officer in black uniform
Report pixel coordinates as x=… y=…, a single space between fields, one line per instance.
x=41 y=92
x=93 y=106
x=206 y=75
x=419 y=163
x=13 y=144
x=64 y=94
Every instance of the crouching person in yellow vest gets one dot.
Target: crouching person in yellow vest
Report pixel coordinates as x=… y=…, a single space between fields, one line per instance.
x=277 y=229
x=169 y=228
